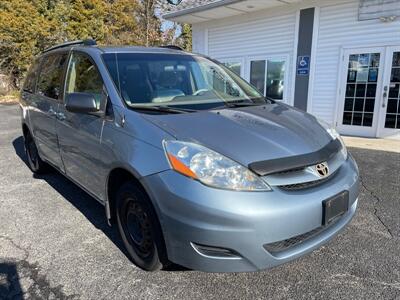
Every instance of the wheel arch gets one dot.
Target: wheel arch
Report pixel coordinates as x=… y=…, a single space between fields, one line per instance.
x=118 y=176
x=25 y=130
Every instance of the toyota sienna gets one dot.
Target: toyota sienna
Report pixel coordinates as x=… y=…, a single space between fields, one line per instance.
x=192 y=163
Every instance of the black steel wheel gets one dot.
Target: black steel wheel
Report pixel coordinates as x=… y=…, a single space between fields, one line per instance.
x=139 y=228
x=35 y=163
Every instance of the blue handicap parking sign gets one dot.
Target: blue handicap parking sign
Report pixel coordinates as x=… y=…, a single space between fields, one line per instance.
x=303 y=65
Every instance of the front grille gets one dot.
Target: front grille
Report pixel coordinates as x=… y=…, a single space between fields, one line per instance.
x=289 y=243
x=291 y=170
x=294 y=241
x=305 y=185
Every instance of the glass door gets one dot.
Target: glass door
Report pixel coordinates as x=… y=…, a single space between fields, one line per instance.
x=360 y=91
x=389 y=125
x=269 y=75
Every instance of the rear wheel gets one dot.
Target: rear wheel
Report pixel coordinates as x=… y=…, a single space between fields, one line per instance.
x=35 y=163
x=139 y=228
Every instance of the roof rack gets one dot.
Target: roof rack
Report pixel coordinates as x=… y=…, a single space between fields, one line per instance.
x=87 y=42
x=172 y=47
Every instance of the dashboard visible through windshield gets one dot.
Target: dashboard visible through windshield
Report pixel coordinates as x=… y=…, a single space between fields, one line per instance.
x=179 y=80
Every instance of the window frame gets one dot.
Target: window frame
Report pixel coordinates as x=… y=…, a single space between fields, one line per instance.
x=103 y=105
x=63 y=74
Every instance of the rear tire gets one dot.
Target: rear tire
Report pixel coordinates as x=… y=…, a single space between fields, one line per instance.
x=35 y=163
x=139 y=228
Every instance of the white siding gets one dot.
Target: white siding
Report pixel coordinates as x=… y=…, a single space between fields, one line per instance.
x=270 y=35
x=339 y=28
x=199 y=39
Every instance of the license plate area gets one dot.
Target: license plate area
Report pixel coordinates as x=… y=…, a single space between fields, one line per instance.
x=334 y=207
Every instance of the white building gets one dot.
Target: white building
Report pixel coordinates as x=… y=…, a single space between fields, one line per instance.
x=337 y=59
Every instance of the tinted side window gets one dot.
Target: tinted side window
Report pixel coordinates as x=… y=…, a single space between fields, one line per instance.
x=50 y=78
x=30 y=80
x=83 y=77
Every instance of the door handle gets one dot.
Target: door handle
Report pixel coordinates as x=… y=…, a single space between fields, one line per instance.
x=60 y=116
x=52 y=112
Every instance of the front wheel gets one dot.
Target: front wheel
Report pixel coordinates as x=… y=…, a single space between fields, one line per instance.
x=139 y=228
x=35 y=163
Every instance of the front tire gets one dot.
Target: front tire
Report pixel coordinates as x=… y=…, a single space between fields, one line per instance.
x=35 y=163
x=139 y=228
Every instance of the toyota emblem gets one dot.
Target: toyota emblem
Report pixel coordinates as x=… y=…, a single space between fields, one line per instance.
x=322 y=169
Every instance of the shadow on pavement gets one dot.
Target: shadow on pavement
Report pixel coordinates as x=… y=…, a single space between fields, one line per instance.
x=86 y=204
x=89 y=207
x=9 y=281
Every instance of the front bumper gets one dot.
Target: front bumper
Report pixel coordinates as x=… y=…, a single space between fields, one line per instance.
x=243 y=222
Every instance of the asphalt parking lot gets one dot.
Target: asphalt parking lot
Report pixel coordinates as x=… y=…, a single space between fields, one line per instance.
x=55 y=243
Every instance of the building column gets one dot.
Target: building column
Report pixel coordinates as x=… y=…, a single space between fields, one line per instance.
x=303 y=59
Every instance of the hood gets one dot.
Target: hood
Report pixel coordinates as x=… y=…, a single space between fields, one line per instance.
x=248 y=134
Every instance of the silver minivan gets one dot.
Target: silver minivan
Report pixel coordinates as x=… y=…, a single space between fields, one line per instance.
x=192 y=164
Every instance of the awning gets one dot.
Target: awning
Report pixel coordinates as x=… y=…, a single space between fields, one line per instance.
x=222 y=9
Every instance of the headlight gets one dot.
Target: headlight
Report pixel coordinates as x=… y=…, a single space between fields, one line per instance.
x=211 y=168
x=335 y=135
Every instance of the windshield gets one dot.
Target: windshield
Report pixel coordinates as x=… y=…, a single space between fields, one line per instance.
x=151 y=79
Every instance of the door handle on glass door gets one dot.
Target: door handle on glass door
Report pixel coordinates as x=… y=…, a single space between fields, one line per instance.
x=384 y=96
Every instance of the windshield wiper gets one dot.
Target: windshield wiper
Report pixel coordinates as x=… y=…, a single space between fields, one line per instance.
x=233 y=104
x=242 y=104
x=269 y=99
x=163 y=108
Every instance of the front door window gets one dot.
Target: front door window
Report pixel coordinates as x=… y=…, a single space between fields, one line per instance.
x=83 y=77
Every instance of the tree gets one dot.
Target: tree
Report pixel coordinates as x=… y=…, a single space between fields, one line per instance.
x=27 y=27
x=86 y=20
x=179 y=35
x=186 y=37
x=23 y=33
x=149 y=23
x=121 y=23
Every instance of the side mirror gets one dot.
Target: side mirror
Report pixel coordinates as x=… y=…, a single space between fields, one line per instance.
x=80 y=103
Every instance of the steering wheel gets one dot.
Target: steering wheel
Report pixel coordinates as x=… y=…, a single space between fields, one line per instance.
x=200 y=92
